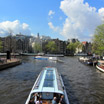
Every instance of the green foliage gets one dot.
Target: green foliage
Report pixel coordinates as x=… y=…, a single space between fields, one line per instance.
x=98 y=40
x=79 y=45
x=37 y=47
x=51 y=47
x=72 y=46
x=1 y=45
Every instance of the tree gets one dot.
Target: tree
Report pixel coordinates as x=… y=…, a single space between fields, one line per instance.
x=51 y=47
x=10 y=43
x=1 y=45
x=37 y=47
x=98 y=40
x=79 y=46
x=72 y=46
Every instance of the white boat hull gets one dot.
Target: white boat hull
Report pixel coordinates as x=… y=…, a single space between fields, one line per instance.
x=99 y=68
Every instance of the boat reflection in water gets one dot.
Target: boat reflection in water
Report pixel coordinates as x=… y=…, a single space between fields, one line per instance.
x=49 y=85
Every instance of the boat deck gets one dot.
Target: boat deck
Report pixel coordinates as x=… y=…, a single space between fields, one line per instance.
x=46 y=102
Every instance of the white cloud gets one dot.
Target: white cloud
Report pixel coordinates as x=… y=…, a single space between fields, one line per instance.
x=101 y=12
x=51 y=13
x=81 y=20
x=15 y=27
x=53 y=27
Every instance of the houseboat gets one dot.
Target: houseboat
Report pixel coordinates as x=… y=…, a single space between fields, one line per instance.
x=48 y=86
x=100 y=65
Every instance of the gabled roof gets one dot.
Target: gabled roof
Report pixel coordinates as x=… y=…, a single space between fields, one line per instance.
x=84 y=42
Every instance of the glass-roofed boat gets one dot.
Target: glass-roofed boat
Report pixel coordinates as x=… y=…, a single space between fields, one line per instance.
x=48 y=87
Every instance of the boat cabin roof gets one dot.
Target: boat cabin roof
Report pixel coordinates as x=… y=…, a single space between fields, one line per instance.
x=48 y=81
x=101 y=61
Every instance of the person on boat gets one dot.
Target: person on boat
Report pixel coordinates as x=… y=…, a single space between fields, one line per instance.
x=39 y=101
x=54 y=101
x=31 y=101
x=36 y=96
x=61 y=101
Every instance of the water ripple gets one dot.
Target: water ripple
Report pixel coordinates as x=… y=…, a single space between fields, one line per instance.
x=84 y=84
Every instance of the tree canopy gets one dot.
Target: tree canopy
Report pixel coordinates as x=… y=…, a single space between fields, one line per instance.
x=37 y=47
x=98 y=40
x=72 y=46
x=51 y=47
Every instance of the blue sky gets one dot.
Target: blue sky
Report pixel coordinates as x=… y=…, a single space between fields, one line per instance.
x=35 y=14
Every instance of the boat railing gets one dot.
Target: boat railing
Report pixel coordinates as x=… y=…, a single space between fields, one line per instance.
x=66 y=96
x=38 y=81
x=59 y=81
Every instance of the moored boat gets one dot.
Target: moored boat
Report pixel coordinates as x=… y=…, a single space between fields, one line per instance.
x=100 y=65
x=48 y=85
x=88 y=60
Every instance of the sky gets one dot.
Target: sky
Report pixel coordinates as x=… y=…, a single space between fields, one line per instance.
x=63 y=19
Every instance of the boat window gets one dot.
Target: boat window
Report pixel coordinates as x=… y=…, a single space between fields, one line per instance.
x=49 y=79
x=48 y=83
x=49 y=75
x=49 y=71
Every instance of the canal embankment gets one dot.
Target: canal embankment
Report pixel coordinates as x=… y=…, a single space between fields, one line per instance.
x=7 y=63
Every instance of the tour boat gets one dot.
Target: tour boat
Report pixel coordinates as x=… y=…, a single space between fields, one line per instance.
x=48 y=85
x=100 y=65
x=53 y=58
x=41 y=58
x=46 y=58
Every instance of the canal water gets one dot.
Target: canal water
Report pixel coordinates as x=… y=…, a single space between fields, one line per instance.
x=84 y=84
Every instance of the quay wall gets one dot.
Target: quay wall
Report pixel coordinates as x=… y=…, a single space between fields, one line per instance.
x=10 y=64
